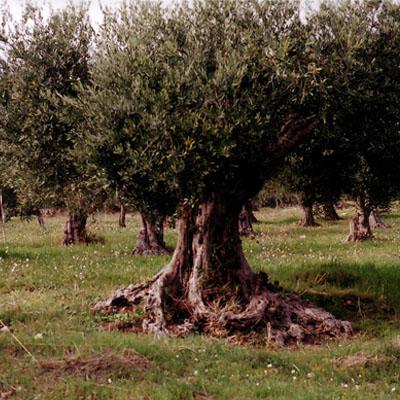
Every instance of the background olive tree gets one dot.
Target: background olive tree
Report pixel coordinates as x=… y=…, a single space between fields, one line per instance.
x=357 y=45
x=46 y=59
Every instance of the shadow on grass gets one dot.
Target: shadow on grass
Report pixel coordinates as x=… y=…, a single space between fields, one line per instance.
x=350 y=291
x=351 y=307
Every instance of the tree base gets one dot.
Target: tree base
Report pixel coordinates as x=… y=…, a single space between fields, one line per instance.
x=209 y=287
x=275 y=317
x=150 y=240
x=359 y=230
x=308 y=220
x=376 y=222
x=75 y=232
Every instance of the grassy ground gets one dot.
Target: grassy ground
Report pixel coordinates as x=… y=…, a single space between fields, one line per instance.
x=55 y=349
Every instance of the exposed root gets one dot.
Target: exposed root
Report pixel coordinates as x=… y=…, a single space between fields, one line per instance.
x=209 y=287
x=285 y=319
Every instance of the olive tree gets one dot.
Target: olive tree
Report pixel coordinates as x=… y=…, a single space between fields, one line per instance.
x=47 y=58
x=121 y=111
x=219 y=92
x=357 y=45
x=317 y=172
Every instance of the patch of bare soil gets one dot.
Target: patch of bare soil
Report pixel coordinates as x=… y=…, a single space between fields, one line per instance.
x=96 y=367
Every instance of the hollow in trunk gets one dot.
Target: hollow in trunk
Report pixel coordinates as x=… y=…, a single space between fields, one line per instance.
x=209 y=286
x=150 y=240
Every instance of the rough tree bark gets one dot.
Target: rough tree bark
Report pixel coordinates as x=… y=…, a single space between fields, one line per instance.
x=375 y=220
x=359 y=225
x=330 y=213
x=2 y=210
x=122 y=216
x=208 y=284
x=308 y=219
x=150 y=240
x=75 y=229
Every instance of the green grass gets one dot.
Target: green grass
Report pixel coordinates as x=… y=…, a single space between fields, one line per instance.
x=46 y=291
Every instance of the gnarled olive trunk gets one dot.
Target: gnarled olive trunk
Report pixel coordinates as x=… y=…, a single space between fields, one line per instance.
x=375 y=220
x=308 y=219
x=2 y=210
x=75 y=229
x=330 y=213
x=209 y=285
x=359 y=226
x=150 y=240
x=122 y=216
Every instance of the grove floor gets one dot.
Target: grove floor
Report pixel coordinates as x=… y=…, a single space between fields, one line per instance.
x=54 y=347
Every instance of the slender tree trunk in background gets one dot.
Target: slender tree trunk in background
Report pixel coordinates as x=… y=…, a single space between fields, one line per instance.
x=375 y=220
x=246 y=219
x=75 y=229
x=122 y=216
x=2 y=210
x=250 y=210
x=330 y=213
x=359 y=226
x=150 y=240
x=40 y=217
x=308 y=219
x=209 y=285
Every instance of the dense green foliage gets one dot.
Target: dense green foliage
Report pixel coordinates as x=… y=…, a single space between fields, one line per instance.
x=357 y=51
x=44 y=60
x=186 y=102
x=176 y=102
